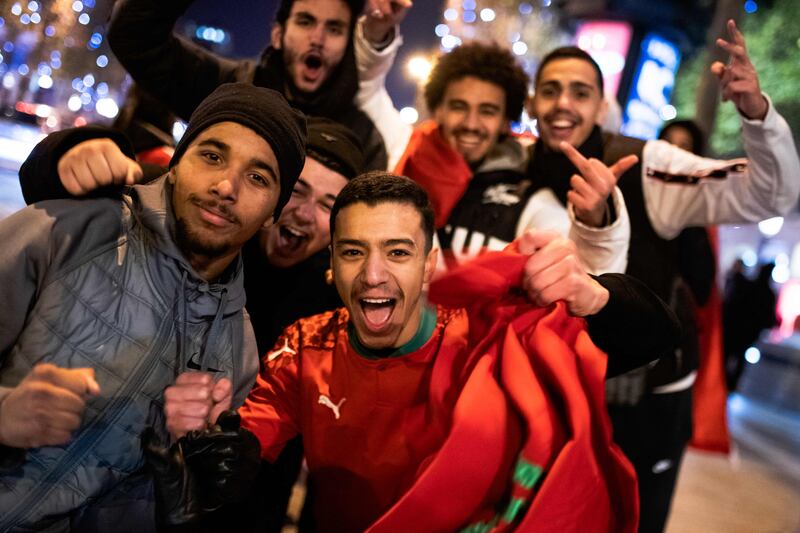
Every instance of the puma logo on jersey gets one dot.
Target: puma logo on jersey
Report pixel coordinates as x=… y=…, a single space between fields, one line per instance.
x=324 y=400
x=283 y=349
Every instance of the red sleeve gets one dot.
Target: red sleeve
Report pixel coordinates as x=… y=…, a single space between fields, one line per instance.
x=271 y=410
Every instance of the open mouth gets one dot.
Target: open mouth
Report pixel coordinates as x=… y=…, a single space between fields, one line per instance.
x=562 y=127
x=312 y=64
x=377 y=311
x=313 y=61
x=291 y=239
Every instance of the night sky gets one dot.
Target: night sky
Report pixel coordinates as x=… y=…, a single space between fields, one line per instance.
x=249 y=22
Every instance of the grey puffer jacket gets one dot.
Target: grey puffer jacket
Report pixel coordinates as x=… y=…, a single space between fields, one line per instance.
x=101 y=284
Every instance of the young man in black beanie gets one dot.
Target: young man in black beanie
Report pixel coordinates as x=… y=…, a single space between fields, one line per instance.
x=286 y=262
x=107 y=300
x=310 y=60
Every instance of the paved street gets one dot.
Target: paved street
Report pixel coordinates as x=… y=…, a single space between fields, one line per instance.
x=16 y=142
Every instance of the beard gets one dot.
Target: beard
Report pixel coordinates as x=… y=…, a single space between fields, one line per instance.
x=192 y=244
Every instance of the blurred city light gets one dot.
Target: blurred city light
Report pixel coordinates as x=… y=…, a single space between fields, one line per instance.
x=441 y=30
x=750 y=6
x=525 y=8
x=77 y=6
x=409 y=115
x=178 y=129
x=450 y=14
x=771 y=226
x=487 y=14
x=74 y=103
x=519 y=48
x=749 y=258
x=450 y=41
x=43 y=111
x=107 y=107
x=45 y=82
x=668 y=112
x=419 y=68
x=752 y=355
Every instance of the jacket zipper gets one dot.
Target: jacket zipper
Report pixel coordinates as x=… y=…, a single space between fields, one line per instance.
x=80 y=447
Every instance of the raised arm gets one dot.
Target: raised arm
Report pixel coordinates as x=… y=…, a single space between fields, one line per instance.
x=377 y=39
x=170 y=68
x=91 y=161
x=683 y=190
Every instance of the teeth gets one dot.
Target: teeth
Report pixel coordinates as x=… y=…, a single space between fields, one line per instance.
x=562 y=123
x=376 y=300
x=294 y=232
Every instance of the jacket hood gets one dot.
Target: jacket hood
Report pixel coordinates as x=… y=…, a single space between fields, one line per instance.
x=151 y=205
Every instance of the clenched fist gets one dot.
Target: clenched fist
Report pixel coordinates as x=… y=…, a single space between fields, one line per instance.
x=46 y=407
x=96 y=163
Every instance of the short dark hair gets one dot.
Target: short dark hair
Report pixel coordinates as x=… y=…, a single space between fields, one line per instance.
x=698 y=138
x=285 y=7
x=486 y=61
x=570 y=52
x=378 y=187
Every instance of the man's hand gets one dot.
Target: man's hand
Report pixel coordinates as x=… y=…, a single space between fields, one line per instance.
x=382 y=16
x=95 y=163
x=738 y=79
x=46 y=407
x=554 y=272
x=590 y=189
x=200 y=472
x=195 y=401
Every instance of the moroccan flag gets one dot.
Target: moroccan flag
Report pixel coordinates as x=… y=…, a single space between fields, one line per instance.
x=529 y=444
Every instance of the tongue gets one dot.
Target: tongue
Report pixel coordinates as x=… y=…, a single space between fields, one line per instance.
x=377 y=314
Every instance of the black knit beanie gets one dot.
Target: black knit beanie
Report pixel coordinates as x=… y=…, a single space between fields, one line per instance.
x=264 y=111
x=335 y=146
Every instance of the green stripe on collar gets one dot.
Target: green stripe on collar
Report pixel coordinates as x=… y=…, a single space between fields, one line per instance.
x=427 y=324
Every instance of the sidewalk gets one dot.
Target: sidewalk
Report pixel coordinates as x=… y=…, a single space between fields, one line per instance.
x=756 y=489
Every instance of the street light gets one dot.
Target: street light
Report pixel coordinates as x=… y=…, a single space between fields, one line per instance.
x=419 y=68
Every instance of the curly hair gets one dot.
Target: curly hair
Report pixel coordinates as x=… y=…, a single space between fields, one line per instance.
x=486 y=61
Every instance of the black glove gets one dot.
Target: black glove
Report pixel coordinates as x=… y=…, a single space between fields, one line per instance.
x=202 y=471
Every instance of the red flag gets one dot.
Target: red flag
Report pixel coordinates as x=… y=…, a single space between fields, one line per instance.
x=529 y=445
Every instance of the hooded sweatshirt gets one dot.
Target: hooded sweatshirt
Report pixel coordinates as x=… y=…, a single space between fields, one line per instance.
x=101 y=284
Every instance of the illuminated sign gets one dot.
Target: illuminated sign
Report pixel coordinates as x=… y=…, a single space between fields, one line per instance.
x=652 y=85
x=607 y=42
